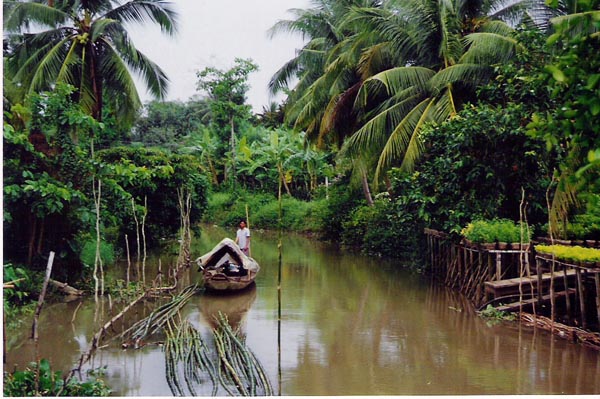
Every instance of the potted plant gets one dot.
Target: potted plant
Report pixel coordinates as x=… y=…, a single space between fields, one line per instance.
x=577 y=255
x=496 y=233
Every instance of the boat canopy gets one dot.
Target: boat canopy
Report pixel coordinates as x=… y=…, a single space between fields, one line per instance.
x=227 y=251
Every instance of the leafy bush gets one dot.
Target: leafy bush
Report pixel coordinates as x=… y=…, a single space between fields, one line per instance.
x=574 y=254
x=383 y=229
x=497 y=230
x=156 y=175
x=49 y=383
x=338 y=209
x=475 y=166
x=586 y=225
x=88 y=253
x=228 y=208
x=495 y=315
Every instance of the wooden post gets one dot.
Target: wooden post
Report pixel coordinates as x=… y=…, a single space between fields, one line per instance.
x=498 y=266
x=38 y=310
x=567 y=296
x=538 y=270
x=430 y=250
x=581 y=297
x=597 y=280
x=552 y=295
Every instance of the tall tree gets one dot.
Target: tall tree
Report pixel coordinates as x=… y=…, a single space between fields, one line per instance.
x=227 y=93
x=85 y=44
x=396 y=65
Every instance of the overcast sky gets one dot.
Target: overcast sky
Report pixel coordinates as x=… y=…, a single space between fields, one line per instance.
x=215 y=32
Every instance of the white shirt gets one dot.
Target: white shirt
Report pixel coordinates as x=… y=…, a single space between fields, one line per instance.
x=243 y=237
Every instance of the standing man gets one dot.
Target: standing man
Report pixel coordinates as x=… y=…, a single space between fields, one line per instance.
x=242 y=238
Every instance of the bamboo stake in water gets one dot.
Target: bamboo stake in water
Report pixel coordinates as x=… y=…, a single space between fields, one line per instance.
x=144 y=238
x=137 y=234
x=128 y=259
x=279 y=262
x=248 y=226
x=38 y=310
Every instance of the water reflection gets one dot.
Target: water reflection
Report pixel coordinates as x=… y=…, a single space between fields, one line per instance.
x=234 y=306
x=351 y=325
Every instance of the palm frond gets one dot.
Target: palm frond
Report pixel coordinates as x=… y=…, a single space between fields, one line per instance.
x=120 y=85
x=374 y=59
x=143 y=11
x=579 y=23
x=48 y=66
x=487 y=48
x=72 y=59
x=153 y=76
x=398 y=79
x=471 y=75
x=18 y=15
x=372 y=136
x=404 y=144
x=284 y=76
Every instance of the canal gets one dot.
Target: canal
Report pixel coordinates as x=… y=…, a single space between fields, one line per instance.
x=351 y=325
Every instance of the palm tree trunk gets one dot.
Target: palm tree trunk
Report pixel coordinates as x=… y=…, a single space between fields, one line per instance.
x=213 y=172
x=365 y=187
x=233 y=174
x=32 y=231
x=41 y=237
x=96 y=87
x=282 y=178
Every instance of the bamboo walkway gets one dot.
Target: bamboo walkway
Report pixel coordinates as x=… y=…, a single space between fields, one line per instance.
x=516 y=279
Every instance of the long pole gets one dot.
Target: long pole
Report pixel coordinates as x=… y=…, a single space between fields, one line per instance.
x=248 y=226
x=38 y=310
x=279 y=294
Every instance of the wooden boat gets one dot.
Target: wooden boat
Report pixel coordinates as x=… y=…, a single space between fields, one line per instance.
x=227 y=268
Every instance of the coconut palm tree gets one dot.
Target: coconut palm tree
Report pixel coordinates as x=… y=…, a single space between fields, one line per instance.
x=86 y=44
x=390 y=67
x=442 y=51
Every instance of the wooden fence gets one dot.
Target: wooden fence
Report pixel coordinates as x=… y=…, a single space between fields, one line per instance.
x=516 y=279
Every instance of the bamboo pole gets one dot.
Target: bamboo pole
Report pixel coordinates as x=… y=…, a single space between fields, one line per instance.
x=580 y=290
x=567 y=296
x=597 y=281
x=38 y=310
x=144 y=238
x=552 y=294
x=137 y=234
x=98 y=259
x=248 y=226
x=128 y=259
x=279 y=272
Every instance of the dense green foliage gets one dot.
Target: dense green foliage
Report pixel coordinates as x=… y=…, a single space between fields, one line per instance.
x=151 y=177
x=165 y=124
x=47 y=177
x=51 y=172
x=407 y=115
x=228 y=208
x=39 y=380
x=475 y=167
x=228 y=109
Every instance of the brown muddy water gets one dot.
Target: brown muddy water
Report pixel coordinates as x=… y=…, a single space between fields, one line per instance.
x=351 y=325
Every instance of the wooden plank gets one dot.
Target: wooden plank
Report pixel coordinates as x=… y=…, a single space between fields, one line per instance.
x=528 y=303
x=494 y=289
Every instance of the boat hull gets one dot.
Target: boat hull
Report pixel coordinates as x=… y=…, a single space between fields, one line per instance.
x=220 y=282
x=227 y=268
